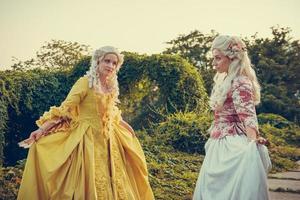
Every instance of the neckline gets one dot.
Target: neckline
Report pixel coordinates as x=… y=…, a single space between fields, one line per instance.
x=102 y=94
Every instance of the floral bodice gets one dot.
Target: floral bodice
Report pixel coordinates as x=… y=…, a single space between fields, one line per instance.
x=238 y=111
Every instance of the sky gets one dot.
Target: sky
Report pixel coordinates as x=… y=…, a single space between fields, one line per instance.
x=142 y=26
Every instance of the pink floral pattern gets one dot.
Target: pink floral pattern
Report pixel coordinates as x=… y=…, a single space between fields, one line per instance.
x=235 y=49
x=238 y=111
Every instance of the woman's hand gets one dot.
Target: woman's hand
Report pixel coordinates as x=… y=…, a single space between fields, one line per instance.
x=252 y=135
x=34 y=136
x=37 y=134
x=261 y=140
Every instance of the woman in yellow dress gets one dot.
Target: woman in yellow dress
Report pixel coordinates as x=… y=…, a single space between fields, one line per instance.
x=83 y=150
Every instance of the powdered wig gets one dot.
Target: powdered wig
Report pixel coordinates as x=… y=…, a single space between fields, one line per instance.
x=235 y=49
x=93 y=73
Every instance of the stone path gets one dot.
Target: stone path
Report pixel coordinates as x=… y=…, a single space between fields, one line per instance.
x=285 y=186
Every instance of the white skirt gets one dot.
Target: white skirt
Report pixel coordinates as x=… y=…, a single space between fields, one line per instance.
x=233 y=169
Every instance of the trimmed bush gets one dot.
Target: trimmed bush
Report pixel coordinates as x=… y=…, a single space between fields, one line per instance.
x=186 y=132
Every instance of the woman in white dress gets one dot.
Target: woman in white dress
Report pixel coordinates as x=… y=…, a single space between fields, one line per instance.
x=237 y=161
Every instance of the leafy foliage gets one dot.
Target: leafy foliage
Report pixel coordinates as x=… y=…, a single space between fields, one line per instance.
x=276 y=61
x=173 y=173
x=284 y=138
x=10 y=180
x=195 y=47
x=163 y=96
x=277 y=64
x=186 y=132
x=27 y=94
x=153 y=87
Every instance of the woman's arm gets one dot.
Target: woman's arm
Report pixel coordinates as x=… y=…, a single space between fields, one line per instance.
x=242 y=97
x=67 y=111
x=43 y=130
x=59 y=118
x=251 y=133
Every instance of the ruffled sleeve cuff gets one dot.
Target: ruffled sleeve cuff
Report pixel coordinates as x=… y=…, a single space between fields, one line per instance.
x=61 y=116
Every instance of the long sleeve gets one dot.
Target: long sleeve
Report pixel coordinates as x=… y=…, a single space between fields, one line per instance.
x=67 y=112
x=242 y=95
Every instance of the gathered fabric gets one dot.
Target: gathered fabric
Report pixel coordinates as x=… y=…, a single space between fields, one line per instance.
x=234 y=168
x=88 y=156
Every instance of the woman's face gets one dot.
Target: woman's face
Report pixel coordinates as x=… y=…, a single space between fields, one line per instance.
x=220 y=61
x=108 y=65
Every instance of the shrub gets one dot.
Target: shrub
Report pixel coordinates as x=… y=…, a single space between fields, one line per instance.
x=184 y=131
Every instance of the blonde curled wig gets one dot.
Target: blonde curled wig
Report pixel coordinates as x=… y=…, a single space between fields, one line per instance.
x=93 y=72
x=235 y=49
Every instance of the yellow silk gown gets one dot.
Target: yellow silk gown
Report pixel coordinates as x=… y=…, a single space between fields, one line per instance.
x=90 y=156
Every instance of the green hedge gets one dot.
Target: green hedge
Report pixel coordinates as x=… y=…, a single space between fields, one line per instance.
x=284 y=138
x=25 y=96
x=186 y=132
x=151 y=88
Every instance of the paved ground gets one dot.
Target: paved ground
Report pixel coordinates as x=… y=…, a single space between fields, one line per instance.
x=288 y=175
x=284 y=196
x=285 y=186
